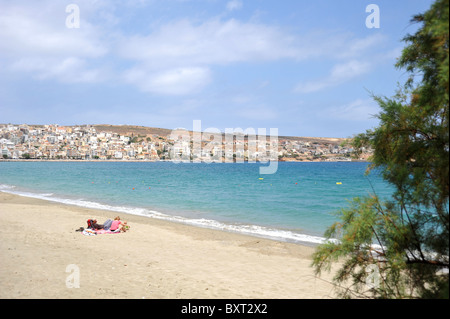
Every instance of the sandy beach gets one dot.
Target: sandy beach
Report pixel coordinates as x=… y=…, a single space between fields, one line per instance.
x=40 y=253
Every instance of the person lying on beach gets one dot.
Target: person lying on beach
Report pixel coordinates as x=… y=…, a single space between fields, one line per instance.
x=97 y=226
x=92 y=224
x=116 y=224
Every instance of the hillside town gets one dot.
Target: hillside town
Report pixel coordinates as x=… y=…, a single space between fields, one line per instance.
x=127 y=143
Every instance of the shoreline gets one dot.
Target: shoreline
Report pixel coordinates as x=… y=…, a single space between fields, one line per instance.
x=169 y=161
x=254 y=231
x=157 y=259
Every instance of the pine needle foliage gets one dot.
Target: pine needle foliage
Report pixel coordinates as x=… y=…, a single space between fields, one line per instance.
x=400 y=248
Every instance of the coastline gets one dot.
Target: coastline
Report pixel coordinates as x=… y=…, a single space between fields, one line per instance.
x=156 y=161
x=157 y=259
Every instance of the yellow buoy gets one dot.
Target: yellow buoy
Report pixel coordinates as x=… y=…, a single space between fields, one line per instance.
x=338 y=183
x=261 y=178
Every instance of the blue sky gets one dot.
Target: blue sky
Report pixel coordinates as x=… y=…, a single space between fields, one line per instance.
x=305 y=67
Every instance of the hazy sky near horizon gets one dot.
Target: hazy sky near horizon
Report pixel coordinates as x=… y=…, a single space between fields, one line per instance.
x=307 y=68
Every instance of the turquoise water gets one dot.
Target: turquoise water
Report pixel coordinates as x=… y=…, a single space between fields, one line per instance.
x=297 y=203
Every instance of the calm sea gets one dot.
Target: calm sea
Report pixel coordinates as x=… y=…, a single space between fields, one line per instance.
x=295 y=204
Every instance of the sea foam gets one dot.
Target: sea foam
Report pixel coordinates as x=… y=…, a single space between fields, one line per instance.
x=253 y=230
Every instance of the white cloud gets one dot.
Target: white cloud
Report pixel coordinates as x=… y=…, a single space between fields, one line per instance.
x=179 y=81
x=349 y=70
x=357 y=47
x=187 y=44
x=174 y=58
x=35 y=39
x=358 y=110
x=195 y=49
x=211 y=42
x=30 y=31
x=234 y=5
x=339 y=74
x=67 y=70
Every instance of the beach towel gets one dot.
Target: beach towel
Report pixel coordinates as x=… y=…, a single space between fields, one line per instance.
x=91 y=232
x=104 y=231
